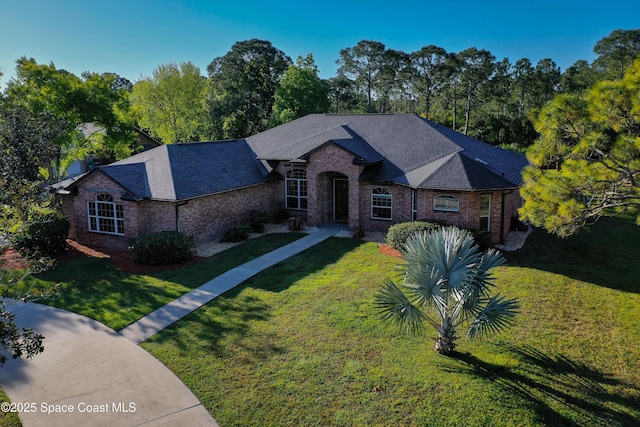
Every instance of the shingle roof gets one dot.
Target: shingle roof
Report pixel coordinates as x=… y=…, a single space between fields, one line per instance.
x=401 y=148
x=184 y=171
x=409 y=150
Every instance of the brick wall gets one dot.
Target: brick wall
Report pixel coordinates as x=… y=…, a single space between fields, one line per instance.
x=76 y=209
x=401 y=206
x=322 y=166
x=205 y=218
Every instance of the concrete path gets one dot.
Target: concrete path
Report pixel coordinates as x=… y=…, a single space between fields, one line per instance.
x=90 y=375
x=144 y=328
x=87 y=368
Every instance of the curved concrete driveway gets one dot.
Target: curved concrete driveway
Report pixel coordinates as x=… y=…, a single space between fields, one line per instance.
x=89 y=367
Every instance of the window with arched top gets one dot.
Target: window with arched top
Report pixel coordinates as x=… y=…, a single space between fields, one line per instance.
x=296 y=189
x=381 y=203
x=105 y=216
x=446 y=203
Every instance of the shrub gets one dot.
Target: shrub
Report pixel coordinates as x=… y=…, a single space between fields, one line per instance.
x=162 y=248
x=483 y=238
x=295 y=224
x=45 y=236
x=399 y=233
x=239 y=233
x=257 y=220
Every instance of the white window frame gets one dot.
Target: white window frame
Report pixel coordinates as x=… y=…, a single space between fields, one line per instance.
x=381 y=201
x=295 y=189
x=448 y=205
x=486 y=215
x=105 y=216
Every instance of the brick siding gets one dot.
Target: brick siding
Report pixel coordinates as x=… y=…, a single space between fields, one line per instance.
x=206 y=218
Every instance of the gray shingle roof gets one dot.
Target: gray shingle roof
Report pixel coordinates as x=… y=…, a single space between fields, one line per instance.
x=410 y=150
x=184 y=171
x=399 y=148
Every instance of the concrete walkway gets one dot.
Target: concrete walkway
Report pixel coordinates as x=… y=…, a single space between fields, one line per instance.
x=144 y=328
x=90 y=375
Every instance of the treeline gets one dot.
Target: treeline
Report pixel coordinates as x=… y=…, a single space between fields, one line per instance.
x=255 y=86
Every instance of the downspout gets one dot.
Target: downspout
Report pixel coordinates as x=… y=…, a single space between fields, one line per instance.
x=502 y=234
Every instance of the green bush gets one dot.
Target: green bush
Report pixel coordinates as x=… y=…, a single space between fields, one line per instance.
x=162 y=248
x=45 y=235
x=399 y=233
x=483 y=238
x=257 y=220
x=239 y=233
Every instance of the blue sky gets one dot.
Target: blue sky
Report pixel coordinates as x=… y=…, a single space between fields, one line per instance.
x=132 y=37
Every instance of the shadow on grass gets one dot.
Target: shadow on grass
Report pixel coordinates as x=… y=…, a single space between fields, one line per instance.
x=549 y=381
x=95 y=288
x=236 y=312
x=605 y=254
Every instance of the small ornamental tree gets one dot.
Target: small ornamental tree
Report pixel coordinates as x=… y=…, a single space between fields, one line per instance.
x=446 y=284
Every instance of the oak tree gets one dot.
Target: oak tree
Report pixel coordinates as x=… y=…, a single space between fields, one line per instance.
x=171 y=103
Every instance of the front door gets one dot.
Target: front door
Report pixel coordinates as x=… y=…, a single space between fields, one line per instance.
x=340 y=200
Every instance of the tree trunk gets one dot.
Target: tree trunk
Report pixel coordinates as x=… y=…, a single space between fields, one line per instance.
x=455 y=104
x=445 y=343
x=467 y=114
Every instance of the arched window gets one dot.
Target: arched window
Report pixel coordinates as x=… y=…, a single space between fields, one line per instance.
x=105 y=216
x=446 y=203
x=296 y=189
x=381 y=203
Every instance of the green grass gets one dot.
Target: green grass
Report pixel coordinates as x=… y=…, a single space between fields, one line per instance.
x=302 y=344
x=8 y=419
x=95 y=288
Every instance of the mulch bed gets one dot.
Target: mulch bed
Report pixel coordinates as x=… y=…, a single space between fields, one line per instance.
x=12 y=260
x=388 y=250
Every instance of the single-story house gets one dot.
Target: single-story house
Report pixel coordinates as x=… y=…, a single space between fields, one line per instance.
x=365 y=170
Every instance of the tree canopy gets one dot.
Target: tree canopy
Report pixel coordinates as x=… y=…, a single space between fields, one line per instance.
x=586 y=163
x=171 y=103
x=100 y=99
x=243 y=85
x=300 y=92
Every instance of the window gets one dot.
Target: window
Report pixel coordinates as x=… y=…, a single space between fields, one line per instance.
x=381 y=203
x=296 y=189
x=485 y=212
x=105 y=216
x=446 y=203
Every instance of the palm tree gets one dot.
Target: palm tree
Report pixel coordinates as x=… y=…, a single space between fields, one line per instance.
x=447 y=284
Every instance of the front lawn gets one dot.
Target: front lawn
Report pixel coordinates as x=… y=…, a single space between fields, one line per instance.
x=302 y=344
x=95 y=288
